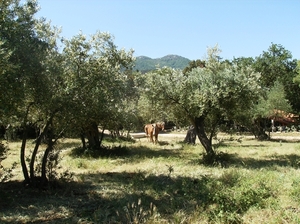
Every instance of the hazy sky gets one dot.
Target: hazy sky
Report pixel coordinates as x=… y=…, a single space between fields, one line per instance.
x=155 y=28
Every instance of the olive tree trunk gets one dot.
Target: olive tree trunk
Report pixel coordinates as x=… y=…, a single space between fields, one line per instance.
x=191 y=135
x=92 y=134
x=204 y=140
x=23 y=147
x=22 y=157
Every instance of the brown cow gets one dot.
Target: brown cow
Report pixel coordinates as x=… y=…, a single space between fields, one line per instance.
x=153 y=130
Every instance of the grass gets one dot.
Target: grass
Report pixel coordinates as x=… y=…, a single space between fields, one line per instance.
x=163 y=183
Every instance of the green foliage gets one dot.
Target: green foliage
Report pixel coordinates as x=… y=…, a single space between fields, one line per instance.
x=94 y=79
x=277 y=65
x=242 y=62
x=136 y=213
x=225 y=198
x=85 y=83
x=194 y=64
x=208 y=94
x=219 y=159
x=297 y=77
x=204 y=89
x=164 y=184
x=275 y=99
x=22 y=64
x=234 y=194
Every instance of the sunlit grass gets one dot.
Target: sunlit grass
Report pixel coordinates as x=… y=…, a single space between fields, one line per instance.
x=260 y=184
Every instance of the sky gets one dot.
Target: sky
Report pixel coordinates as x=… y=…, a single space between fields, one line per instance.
x=156 y=28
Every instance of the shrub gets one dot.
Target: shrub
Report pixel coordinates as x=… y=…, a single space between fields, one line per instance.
x=219 y=159
x=234 y=194
x=136 y=213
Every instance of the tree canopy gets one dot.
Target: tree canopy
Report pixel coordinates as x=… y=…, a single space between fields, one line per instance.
x=277 y=64
x=207 y=95
x=78 y=88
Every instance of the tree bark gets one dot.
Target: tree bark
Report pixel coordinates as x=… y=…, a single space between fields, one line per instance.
x=191 y=135
x=37 y=144
x=34 y=153
x=44 y=162
x=22 y=157
x=205 y=141
x=51 y=144
x=23 y=147
x=258 y=129
x=83 y=140
x=92 y=134
x=101 y=136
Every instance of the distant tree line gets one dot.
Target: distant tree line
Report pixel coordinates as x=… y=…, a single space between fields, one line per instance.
x=145 y=64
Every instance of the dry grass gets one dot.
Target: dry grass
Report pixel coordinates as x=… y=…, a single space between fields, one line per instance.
x=164 y=183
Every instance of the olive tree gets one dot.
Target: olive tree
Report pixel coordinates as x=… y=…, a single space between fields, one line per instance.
x=20 y=64
x=23 y=80
x=81 y=86
x=205 y=95
x=95 y=79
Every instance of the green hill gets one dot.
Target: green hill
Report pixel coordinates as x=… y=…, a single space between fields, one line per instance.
x=145 y=64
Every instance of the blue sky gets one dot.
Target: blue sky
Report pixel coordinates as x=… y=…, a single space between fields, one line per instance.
x=155 y=28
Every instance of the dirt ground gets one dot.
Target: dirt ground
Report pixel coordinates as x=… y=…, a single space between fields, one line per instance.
x=181 y=135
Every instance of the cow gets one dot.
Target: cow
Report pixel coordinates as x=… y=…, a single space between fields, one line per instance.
x=153 y=130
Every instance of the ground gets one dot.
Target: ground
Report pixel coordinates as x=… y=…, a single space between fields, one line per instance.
x=168 y=176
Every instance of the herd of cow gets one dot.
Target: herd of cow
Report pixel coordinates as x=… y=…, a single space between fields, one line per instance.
x=153 y=130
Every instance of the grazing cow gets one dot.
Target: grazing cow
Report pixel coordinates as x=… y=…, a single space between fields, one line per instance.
x=153 y=130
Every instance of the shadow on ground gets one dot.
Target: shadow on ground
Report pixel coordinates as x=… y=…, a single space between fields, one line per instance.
x=111 y=197
x=115 y=197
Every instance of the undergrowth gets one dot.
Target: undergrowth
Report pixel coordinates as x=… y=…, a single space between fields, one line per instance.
x=147 y=183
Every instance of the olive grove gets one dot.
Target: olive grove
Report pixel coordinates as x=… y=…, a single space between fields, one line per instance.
x=83 y=85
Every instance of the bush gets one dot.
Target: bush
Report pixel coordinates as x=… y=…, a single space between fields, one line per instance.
x=234 y=194
x=219 y=159
x=136 y=213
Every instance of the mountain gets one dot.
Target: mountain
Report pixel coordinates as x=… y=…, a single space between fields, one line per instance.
x=145 y=64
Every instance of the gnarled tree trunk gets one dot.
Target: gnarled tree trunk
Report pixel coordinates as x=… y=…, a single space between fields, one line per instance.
x=191 y=135
x=22 y=157
x=23 y=147
x=92 y=134
x=37 y=144
x=205 y=141
x=35 y=150
x=259 y=129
